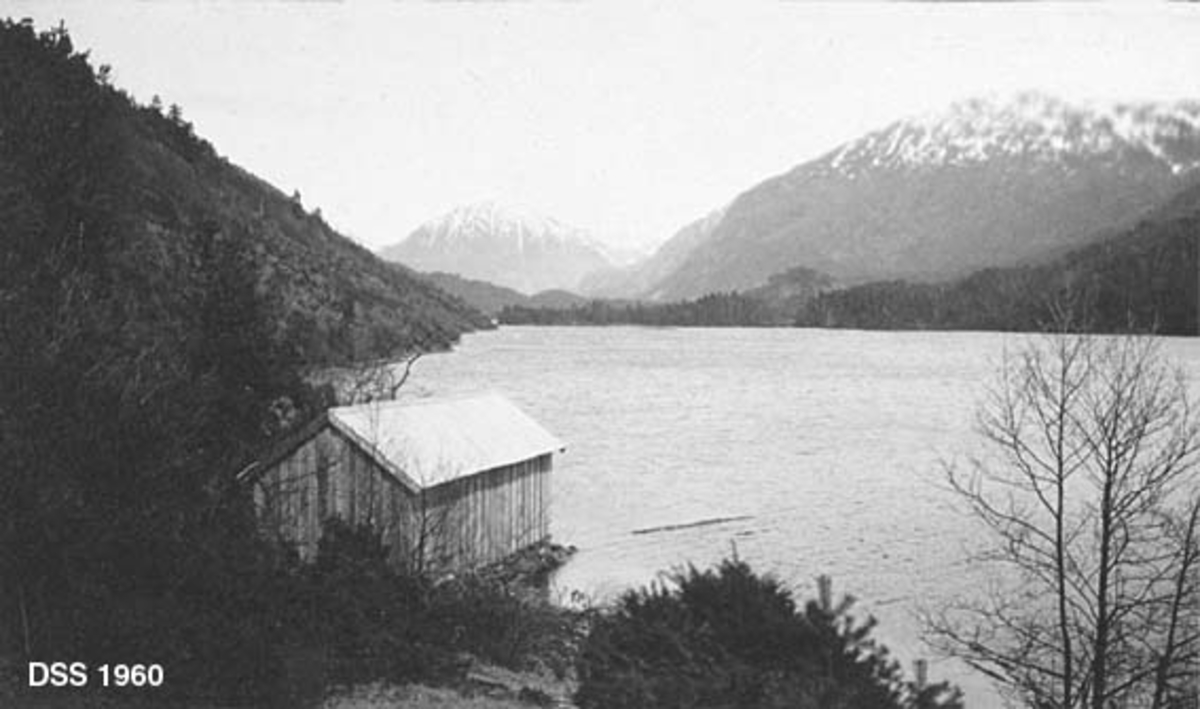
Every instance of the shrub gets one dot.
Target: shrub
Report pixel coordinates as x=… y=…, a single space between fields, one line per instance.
x=502 y=625
x=376 y=622
x=728 y=637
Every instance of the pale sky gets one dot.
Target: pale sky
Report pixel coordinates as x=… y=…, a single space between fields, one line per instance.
x=627 y=119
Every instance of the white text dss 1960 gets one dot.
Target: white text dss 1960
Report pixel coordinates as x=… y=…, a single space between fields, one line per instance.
x=78 y=674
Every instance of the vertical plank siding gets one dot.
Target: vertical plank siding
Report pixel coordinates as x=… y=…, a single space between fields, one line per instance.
x=470 y=521
x=492 y=514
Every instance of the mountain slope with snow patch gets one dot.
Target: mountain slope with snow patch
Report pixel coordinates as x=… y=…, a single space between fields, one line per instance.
x=985 y=183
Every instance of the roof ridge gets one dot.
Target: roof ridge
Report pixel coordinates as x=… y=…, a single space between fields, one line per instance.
x=423 y=401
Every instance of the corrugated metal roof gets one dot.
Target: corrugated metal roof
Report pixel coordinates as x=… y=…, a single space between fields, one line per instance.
x=432 y=441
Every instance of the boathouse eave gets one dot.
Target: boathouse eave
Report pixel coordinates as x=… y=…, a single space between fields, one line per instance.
x=282 y=448
x=374 y=454
x=293 y=441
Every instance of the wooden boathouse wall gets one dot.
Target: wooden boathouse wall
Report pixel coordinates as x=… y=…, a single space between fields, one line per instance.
x=467 y=521
x=487 y=516
x=326 y=477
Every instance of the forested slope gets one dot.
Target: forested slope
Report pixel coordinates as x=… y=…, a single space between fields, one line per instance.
x=1142 y=280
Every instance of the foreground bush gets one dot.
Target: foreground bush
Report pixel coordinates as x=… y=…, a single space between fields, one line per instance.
x=377 y=623
x=727 y=637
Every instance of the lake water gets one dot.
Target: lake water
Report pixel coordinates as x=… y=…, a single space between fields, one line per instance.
x=826 y=446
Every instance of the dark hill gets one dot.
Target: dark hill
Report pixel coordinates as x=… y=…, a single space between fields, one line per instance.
x=1143 y=279
x=163 y=191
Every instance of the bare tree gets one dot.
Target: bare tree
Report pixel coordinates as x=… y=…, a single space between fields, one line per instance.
x=1086 y=493
x=435 y=518
x=375 y=381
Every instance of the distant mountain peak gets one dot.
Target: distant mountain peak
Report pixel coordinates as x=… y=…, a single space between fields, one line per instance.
x=1030 y=125
x=505 y=245
x=492 y=217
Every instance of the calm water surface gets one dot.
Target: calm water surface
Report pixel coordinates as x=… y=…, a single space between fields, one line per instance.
x=829 y=445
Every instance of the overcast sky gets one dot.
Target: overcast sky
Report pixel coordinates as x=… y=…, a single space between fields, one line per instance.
x=625 y=119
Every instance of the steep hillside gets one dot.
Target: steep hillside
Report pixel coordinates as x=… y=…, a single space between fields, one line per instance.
x=514 y=249
x=337 y=300
x=985 y=183
x=166 y=194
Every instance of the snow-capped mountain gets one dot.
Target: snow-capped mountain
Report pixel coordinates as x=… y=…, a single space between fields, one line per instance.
x=985 y=183
x=505 y=246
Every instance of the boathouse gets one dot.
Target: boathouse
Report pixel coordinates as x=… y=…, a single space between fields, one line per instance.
x=448 y=483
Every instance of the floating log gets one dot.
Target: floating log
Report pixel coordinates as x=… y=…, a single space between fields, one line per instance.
x=690 y=525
